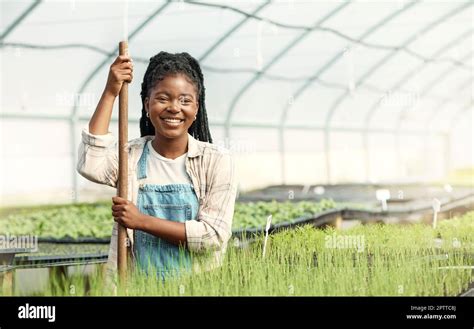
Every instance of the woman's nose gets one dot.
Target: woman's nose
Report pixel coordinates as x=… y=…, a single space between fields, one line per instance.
x=174 y=107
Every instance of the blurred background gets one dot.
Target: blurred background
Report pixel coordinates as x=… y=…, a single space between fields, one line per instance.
x=306 y=94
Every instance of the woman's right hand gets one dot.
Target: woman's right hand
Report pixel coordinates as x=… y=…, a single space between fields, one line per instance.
x=121 y=70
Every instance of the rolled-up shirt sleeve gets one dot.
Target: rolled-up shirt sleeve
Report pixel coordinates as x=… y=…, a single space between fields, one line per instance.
x=98 y=158
x=213 y=227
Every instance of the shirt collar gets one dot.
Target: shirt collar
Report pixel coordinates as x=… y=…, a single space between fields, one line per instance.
x=193 y=145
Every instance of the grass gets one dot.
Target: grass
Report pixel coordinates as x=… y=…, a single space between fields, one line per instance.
x=95 y=220
x=367 y=260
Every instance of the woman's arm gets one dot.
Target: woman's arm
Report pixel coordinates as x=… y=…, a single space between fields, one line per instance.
x=173 y=232
x=128 y=215
x=210 y=231
x=213 y=227
x=121 y=70
x=98 y=151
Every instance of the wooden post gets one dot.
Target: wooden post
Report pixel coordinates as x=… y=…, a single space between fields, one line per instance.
x=123 y=170
x=7 y=283
x=337 y=222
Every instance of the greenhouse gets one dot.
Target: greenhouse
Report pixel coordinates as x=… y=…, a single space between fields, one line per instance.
x=305 y=140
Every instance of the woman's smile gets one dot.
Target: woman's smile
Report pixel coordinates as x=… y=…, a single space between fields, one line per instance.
x=172 y=122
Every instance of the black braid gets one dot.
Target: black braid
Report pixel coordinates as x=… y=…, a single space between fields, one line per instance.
x=164 y=64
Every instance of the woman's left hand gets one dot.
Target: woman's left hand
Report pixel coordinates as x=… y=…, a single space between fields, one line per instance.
x=126 y=213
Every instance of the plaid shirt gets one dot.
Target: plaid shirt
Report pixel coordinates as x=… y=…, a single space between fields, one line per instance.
x=212 y=172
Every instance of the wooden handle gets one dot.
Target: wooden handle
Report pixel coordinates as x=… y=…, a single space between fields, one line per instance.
x=122 y=241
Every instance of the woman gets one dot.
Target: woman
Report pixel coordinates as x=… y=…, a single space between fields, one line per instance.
x=182 y=188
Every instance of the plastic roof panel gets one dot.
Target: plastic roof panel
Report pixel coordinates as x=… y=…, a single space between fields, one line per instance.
x=352 y=109
x=352 y=65
x=444 y=33
x=302 y=60
x=418 y=16
x=255 y=55
x=251 y=47
x=298 y=13
x=37 y=91
x=171 y=31
x=451 y=83
x=10 y=11
x=357 y=17
x=96 y=24
x=311 y=107
x=388 y=75
x=219 y=95
x=262 y=103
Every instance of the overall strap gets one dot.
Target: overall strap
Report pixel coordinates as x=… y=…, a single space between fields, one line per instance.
x=141 y=172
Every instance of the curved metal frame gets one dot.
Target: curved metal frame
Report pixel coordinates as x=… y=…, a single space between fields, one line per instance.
x=437 y=109
x=373 y=69
x=457 y=116
x=454 y=121
x=139 y=28
x=274 y=60
x=19 y=19
x=282 y=126
x=396 y=87
x=328 y=65
x=74 y=117
x=232 y=30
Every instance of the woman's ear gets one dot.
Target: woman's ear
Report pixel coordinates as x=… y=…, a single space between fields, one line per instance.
x=146 y=104
x=197 y=110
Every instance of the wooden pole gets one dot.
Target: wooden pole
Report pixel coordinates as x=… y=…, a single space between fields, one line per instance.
x=122 y=241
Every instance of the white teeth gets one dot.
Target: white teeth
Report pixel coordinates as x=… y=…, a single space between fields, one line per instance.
x=172 y=120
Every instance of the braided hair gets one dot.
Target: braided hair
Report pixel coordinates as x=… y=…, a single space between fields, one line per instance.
x=162 y=65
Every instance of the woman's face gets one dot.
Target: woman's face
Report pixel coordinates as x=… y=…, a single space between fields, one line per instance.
x=172 y=105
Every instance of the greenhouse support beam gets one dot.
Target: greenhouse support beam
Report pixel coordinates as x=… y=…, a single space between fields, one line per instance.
x=413 y=132
x=437 y=109
x=261 y=72
x=397 y=86
x=271 y=62
x=422 y=66
x=447 y=152
x=327 y=66
x=139 y=28
x=458 y=115
x=433 y=24
x=73 y=122
x=19 y=19
x=231 y=30
x=401 y=115
x=113 y=53
x=89 y=78
x=365 y=142
x=442 y=104
x=440 y=78
x=436 y=22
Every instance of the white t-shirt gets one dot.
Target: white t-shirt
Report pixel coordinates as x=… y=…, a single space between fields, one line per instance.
x=164 y=171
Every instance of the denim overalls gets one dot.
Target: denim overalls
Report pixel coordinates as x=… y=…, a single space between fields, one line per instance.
x=176 y=202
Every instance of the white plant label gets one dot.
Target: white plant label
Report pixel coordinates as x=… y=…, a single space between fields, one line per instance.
x=383 y=195
x=267 y=227
x=436 y=208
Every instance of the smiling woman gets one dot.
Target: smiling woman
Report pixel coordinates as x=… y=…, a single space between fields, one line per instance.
x=182 y=188
x=172 y=108
x=172 y=82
